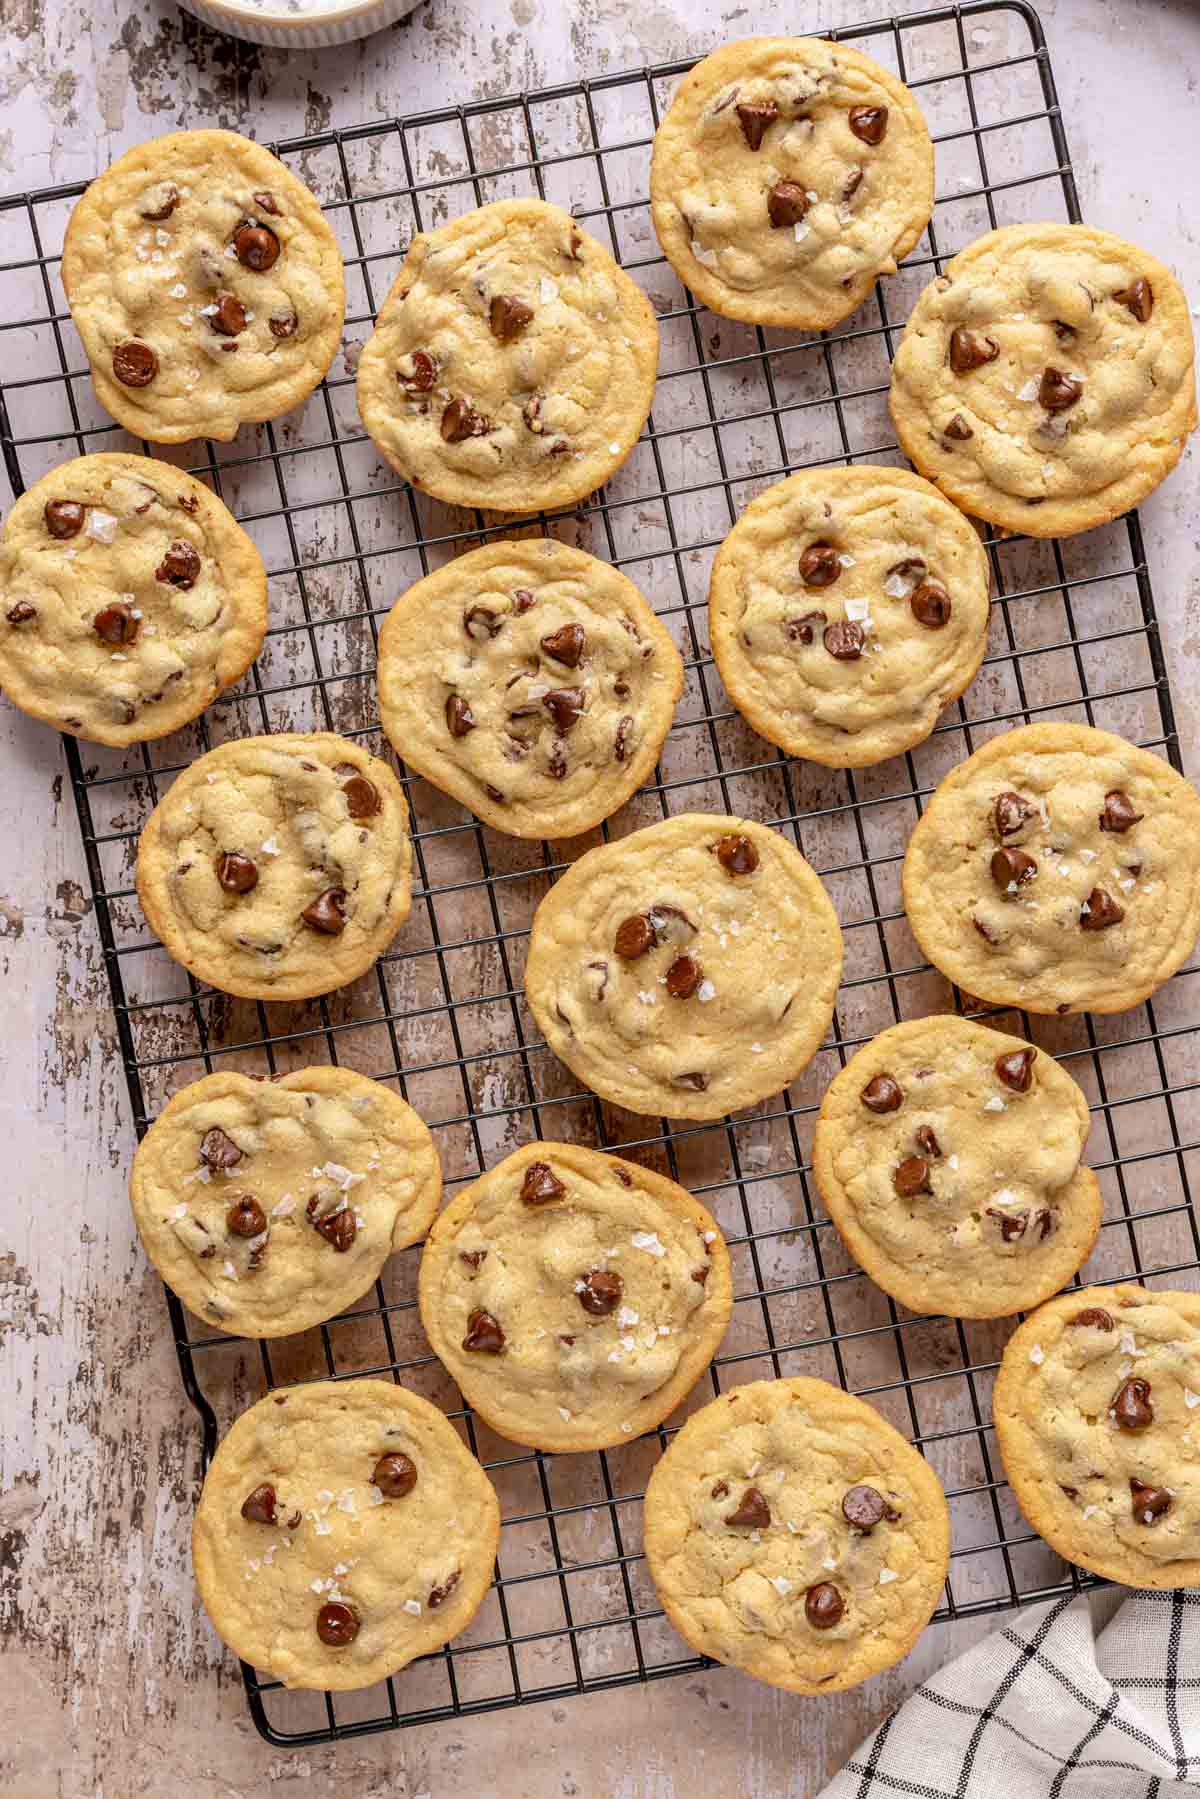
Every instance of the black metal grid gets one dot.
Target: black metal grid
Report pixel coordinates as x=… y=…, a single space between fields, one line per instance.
x=443 y=1017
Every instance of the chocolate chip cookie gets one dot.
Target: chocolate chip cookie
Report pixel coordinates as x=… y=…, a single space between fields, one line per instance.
x=688 y=969
x=793 y=1533
x=513 y=363
x=787 y=175
x=1057 y=869
x=343 y=1530
x=1046 y=380
x=948 y=1156
x=205 y=284
x=269 y=1206
x=278 y=867
x=530 y=681
x=129 y=599
x=847 y=607
x=1095 y=1411
x=575 y=1298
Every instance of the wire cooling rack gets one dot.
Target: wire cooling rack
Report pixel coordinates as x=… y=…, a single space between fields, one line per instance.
x=444 y=1018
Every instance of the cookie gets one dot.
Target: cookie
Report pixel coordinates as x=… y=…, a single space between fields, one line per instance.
x=1046 y=380
x=269 y=1206
x=1095 y=1412
x=129 y=599
x=787 y=175
x=793 y=1533
x=574 y=1298
x=278 y=867
x=948 y=1157
x=343 y=1530
x=1057 y=869
x=531 y=682
x=513 y=363
x=847 y=607
x=688 y=969
x=205 y=284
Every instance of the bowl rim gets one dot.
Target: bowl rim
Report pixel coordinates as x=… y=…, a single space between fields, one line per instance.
x=246 y=11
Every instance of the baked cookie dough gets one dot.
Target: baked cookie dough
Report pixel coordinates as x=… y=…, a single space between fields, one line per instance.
x=512 y=365
x=793 y=1533
x=688 y=969
x=1096 y=1417
x=575 y=1298
x=205 y=284
x=343 y=1530
x=269 y=1206
x=531 y=682
x=787 y=175
x=948 y=1157
x=1057 y=869
x=847 y=607
x=1046 y=380
x=278 y=867
x=129 y=599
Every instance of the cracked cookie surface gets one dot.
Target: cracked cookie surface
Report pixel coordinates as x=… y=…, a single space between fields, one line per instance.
x=269 y=1206
x=948 y=1157
x=847 y=607
x=1057 y=869
x=129 y=599
x=342 y=1531
x=278 y=867
x=530 y=681
x=1046 y=380
x=787 y=175
x=575 y=1298
x=206 y=285
x=1097 y=1411
x=794 y=1533
x=513 y=362
x=688 y=969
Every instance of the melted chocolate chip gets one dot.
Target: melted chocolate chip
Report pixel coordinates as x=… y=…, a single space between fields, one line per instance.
x=969 y=350
x=566 y=645
x=868 y=123
x=819 y=565
x=480 y=624
x=623 y=734
x=1012 y=1224
x=115 y=624
x=423 y=376
x=438 y=1595
x=1095 y=1317
x=635 y=935
x=927 y=1143
x=1131 y=1408
x=564 y=704
x=694 y=1079
x=751 y=1512
x=985 y=930
x=1138 y=297
x=134 y=364
x=283 y=324
x=541 y=1185
x=265 y=200
x=161 y=202
x=508 y=317
x=1009 y=813
x=339 y=1228
x=720 y=1490
x=64 y=518
x=1058 y=391
x=245 y=1217
x=21 y=613
x=844 y=640
x=787 y=204
x=683 y=977
x=851 y=185
x=931 y=605
x=235 y=873
x=754 y=117
x=823 y=1606
x=1100 y=911
x=337 y=1624
x=327 y=913
x=258 y=1507
x=864 y=1508
x=483 y=1333
x=362 y=796
x=180 y=566
x=958 y=429
x=257 y=247
x=737 y=855
x=459 y=717
x=395 y=1474
x=882 y=1094
x=911 y=1177
x=228 y=315
x=800 y=630
x=1016 y=1069
x=460 y=421
x=601 y=1292
x=1012 y=869
x=1147 y=1503
x=1118 y=815
x=219 y=1151
x=474 y=1258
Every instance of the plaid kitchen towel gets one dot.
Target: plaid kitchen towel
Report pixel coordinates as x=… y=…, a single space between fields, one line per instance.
x=1049 y=1707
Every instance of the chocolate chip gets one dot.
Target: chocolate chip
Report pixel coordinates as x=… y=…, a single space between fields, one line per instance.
x=683 y=977
x=339 y=1228
x=787 y=204
x=395 y=1474
x=958 y=429
x=64 y=518
x=1096 y=1317
x=844 y=640
x=670 y=924
x=438 y=1595
x=294 y=1521
x=635 y=935
x=1118 y=814
x=720 y=1490
x=161 y=202
x=474 y=1258
x=911 y=1177
x=927 y=1142
x=1012 y=869
x=864 y=1508
x=1138 y=297
x=623 y=734
x=21 y=613
x=800 y=630
x=931 y=605
x=362 y=796
x=235 y=873
x=1012 y=1224
x=219 y=1151
x=564 y=704
x=134 y=364
x=479 y=623
x=737 y=855
x=1100 y=911
x=985 y=930
x=265 y=200
x=694 y=1079
x=700 y=1276
x=508 y=317
x=969 y=350
x=483 y=1333
x=882 y=1094
x=228 y=315
x=337 y=1624
x=283 y=324
x=751 y=1511
x=423 y=376
x=1131 y=1407
x=257 y=247
x=1045 y=1222
x=460 y=421
x=819 y=565
x=1010 y=813
x=868 y=123
x=115 y=623
x=541 y=1185
x=459 y=717
x=1147 y=1503
x=823 y=1606
x=1016 y=1069
x=601 y=1292
x=327 y=913
x=258 y=1507
x=180 y=566
x=566 y=645
x=754 y=116
x=1058 y=391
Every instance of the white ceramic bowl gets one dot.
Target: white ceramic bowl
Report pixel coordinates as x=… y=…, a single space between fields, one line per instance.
x=318 y=24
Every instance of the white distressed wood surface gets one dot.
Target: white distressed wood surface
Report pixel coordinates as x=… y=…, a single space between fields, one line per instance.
x=115 y=1684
